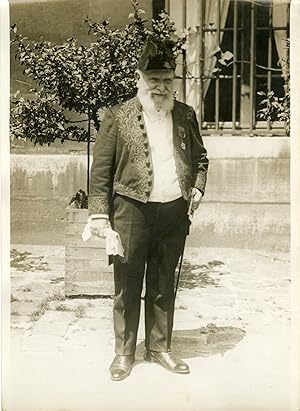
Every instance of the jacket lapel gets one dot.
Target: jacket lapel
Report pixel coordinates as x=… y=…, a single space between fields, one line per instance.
x=180 y=139
x=181 y=150
x=132 y=127
x=133 y=132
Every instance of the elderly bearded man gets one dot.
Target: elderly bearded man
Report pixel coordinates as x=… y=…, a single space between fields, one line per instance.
x=149 y=160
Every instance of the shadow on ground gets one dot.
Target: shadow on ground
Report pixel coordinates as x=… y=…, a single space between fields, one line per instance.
x=204 y=275
x=201 y=342
x=25 y=261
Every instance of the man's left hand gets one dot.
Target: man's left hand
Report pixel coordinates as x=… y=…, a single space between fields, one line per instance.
x=196 y=198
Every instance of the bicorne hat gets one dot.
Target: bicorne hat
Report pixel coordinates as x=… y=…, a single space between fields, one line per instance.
x=157 y=55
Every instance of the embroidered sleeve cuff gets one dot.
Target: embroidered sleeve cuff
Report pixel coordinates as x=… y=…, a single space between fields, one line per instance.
x=200 y=182
x=98 y=205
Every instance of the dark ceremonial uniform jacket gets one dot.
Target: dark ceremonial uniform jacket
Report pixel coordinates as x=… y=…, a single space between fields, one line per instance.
x=122 y=157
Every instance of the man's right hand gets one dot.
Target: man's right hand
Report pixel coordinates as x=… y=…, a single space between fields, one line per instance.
x=98 y=226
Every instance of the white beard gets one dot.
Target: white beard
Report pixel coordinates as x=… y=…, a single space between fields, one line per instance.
x=155 y=103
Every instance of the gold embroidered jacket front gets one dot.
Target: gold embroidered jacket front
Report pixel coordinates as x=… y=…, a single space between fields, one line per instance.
x=122 y=159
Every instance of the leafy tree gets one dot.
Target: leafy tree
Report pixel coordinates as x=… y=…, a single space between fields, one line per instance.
x=72 y=78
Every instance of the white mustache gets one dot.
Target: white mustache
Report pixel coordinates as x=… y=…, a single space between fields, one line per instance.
x=160 y=94
x=152 y=100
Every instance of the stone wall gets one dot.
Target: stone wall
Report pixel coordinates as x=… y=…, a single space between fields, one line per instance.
x=246 y=203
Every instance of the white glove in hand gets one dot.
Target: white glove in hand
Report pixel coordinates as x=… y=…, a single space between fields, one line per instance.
x=196 y=198
x=99 y=226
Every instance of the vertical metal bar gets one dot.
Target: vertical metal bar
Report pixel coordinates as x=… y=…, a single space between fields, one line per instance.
x=184 y=4
x=245 y=51
x=252 y=67
x=269 y=74
x=234 y=80
x=88 y=153
x=217 y=88
x=201 y=63
x=242 y=69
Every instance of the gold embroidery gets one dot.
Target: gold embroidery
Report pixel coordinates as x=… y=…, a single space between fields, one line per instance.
x=200 y=181
x=98 y=205
x=130 y=128
x=130 y=192
x=190 y=113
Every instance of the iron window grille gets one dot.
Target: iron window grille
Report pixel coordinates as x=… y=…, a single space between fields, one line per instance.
x=244 y=61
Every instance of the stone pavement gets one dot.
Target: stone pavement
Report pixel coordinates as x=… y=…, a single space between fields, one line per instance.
x=232 y=325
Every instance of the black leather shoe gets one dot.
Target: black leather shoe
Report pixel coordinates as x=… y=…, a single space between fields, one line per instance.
x=121 y=367
x=167 y=361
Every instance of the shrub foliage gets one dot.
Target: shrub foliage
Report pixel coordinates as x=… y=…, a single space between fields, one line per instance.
x=73 y=78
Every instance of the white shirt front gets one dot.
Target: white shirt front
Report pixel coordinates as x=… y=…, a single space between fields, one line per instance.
x=159 y=126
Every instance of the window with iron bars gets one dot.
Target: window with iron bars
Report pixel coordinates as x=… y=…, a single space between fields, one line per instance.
x=241 y=51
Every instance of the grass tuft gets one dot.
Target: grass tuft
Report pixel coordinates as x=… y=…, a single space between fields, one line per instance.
x=63 y=307
x=13 y=298
x=57 y=295
x=14 y=313
x=40 y=310
x=80 y=311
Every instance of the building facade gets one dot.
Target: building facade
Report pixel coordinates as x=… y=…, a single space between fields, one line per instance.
x=235 y=50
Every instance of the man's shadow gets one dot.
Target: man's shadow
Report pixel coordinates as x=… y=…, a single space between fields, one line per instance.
x=208 y=340
x=201 y=342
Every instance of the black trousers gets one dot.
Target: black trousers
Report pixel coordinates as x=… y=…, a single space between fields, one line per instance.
x=153 y=237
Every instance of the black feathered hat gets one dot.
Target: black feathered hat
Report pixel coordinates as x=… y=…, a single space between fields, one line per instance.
x=157 y=55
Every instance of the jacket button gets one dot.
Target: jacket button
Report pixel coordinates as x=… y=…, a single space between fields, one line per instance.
x=149 y=171
x=142 y=126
